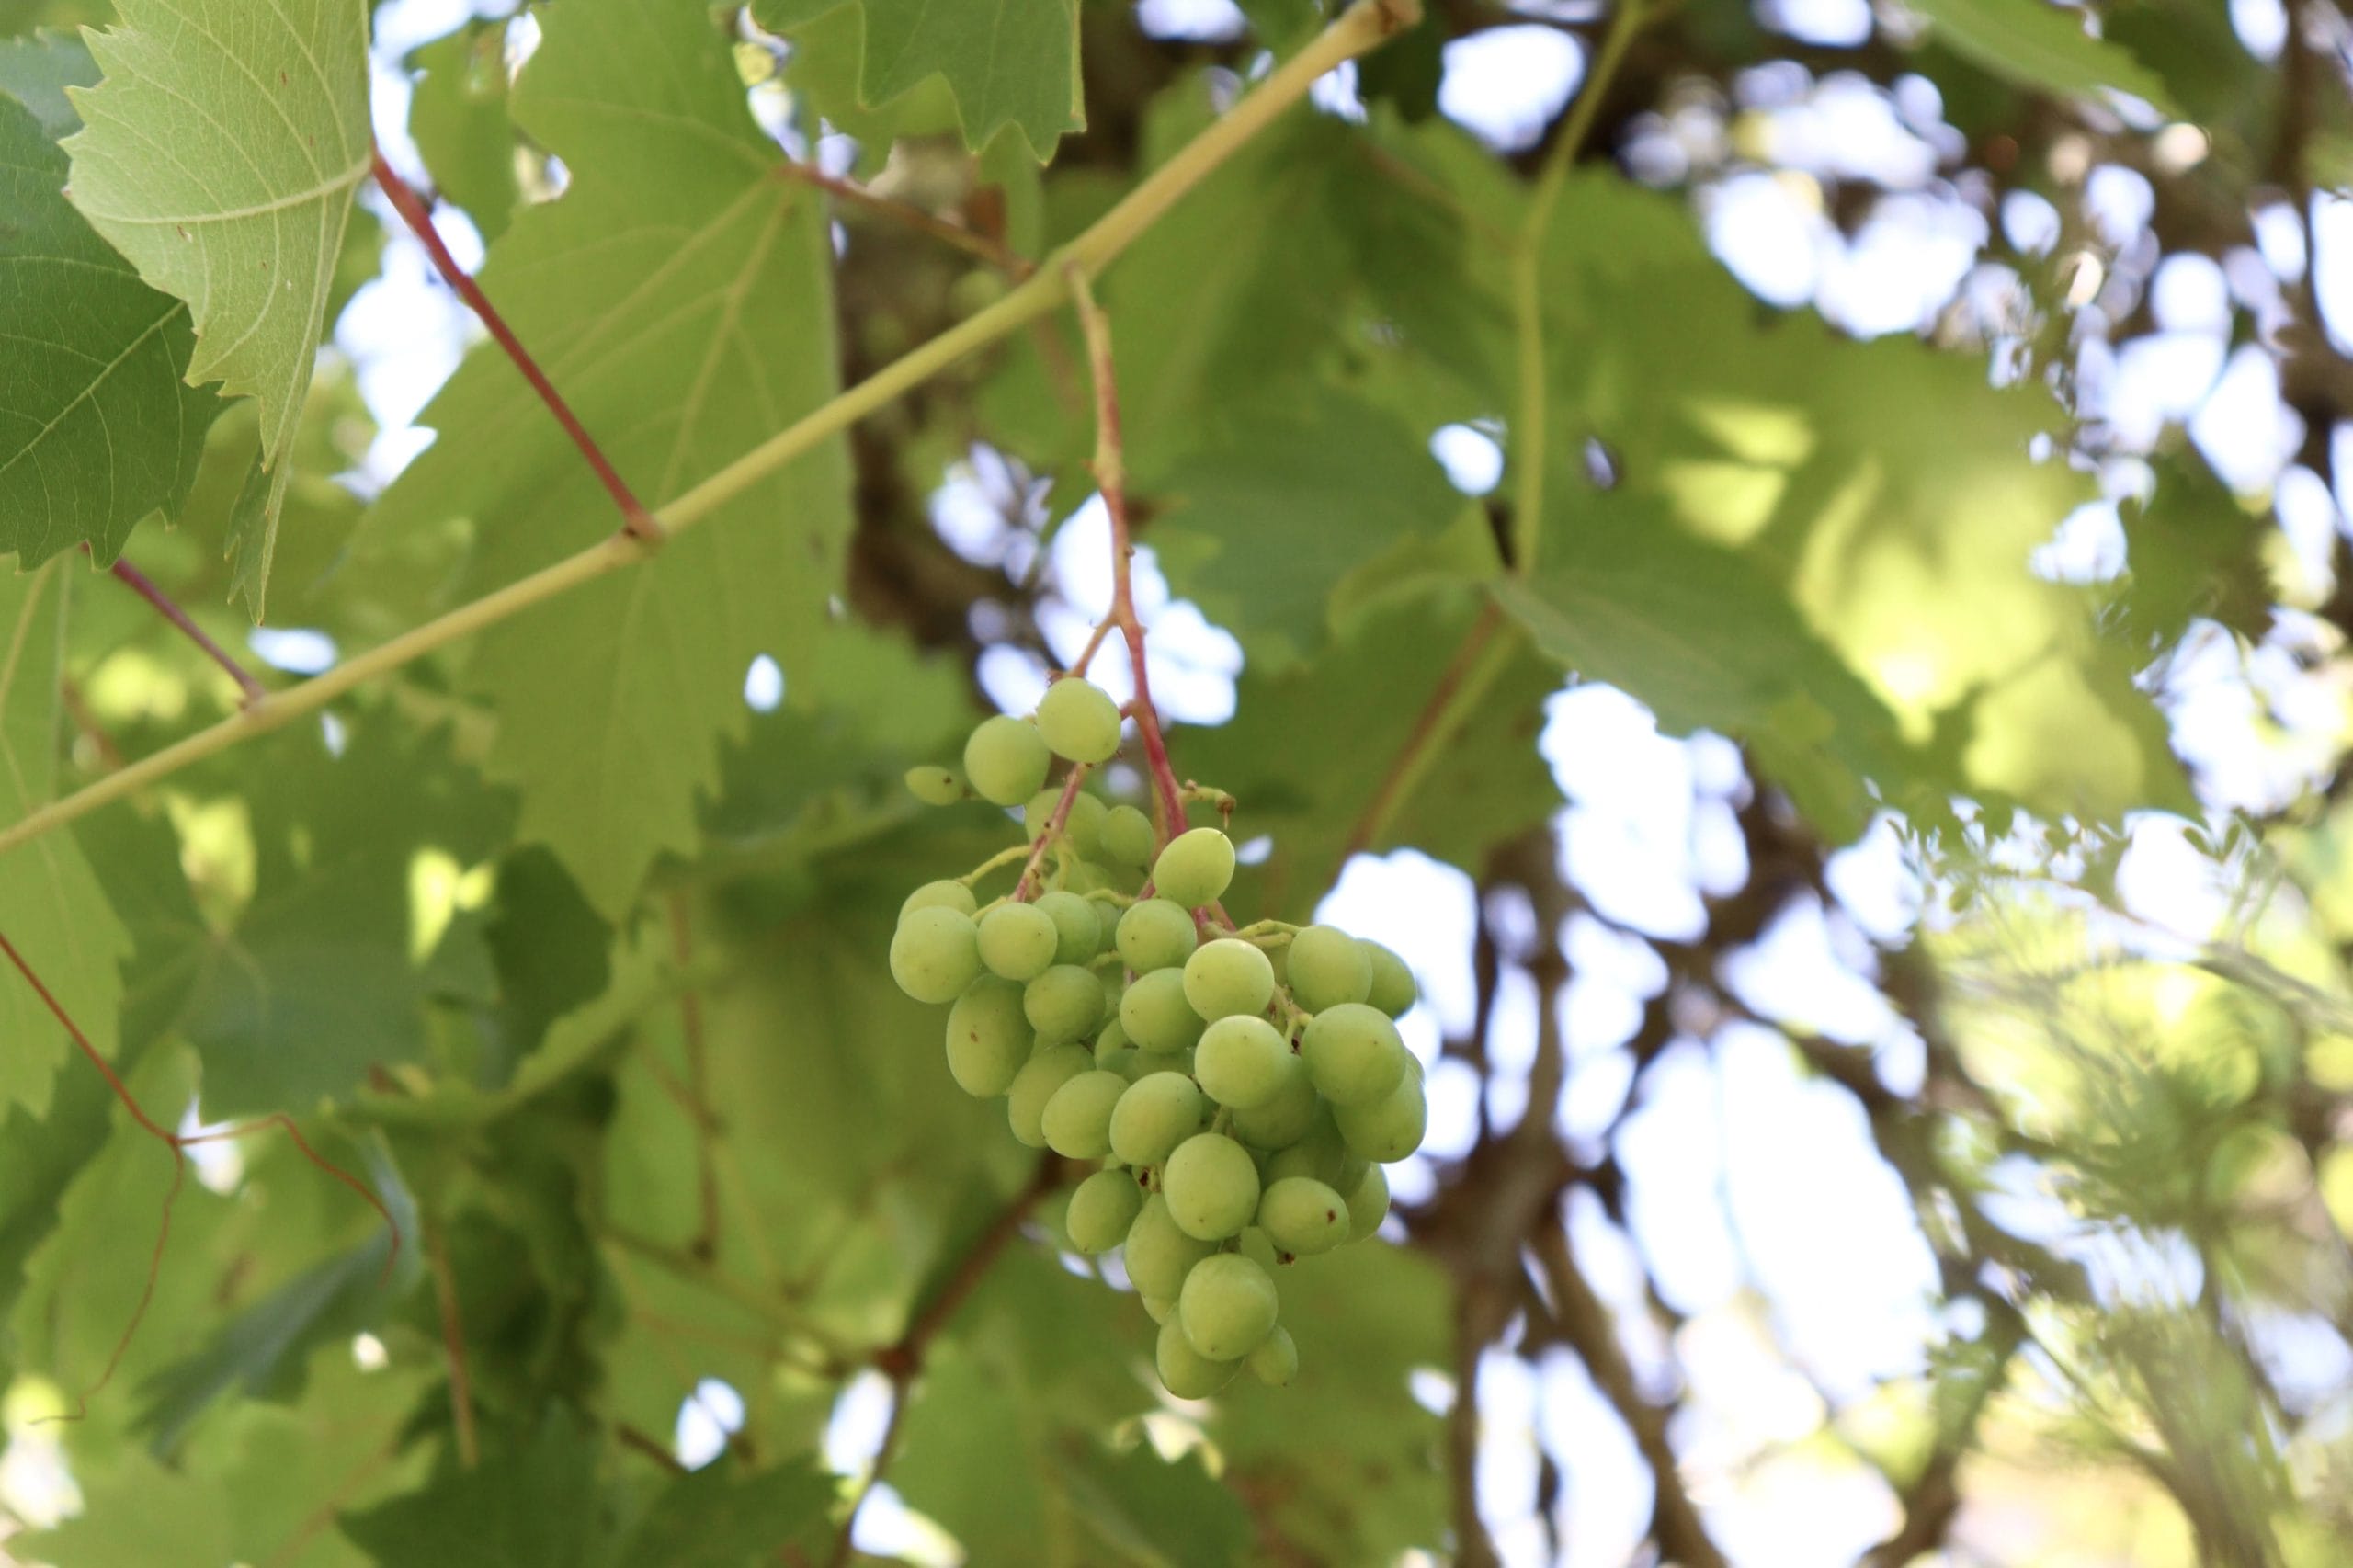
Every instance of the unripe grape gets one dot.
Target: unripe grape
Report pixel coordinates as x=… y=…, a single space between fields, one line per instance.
x=952 y=895
x=1155 y=1013
x=1368 y=1203
x=1284 y=1117
x=1127 y=838
x=1063 y=1003
x=1079 y=720
x=1353 y=1053
x=1229 y=977
x=1304 y=1216
x=988 y=1037
x=1276 y=1361
x=1228 y=1305
x=1158 y=1256
x=935 y=786
x=1185 y=1371
x=1177 y=1062
x=1018 y=940
x=1006 y=760
x=1082 y=827
x=1112 y=1040
x=1196 y=869
x=1393 y=991
x=935 y=953
x=1159 y=1309
x=1101 y=1210
x=1078 y=931
x=1078 y=1120
x=1328 y=967
x=1242 y=1061
x=1320 y=1153
x=1155 y=934
x=1255 y=1245
x=1211 y=1185
x=1025 y=1101
x=1390 y=1127
x=1158 y=1112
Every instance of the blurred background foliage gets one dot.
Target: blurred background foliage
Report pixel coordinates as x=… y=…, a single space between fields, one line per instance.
x=1873 y=842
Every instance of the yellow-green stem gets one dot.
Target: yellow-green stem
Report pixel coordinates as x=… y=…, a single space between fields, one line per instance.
x=1362 y=28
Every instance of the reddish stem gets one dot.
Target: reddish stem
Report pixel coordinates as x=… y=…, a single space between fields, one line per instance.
x=1110 y=479
x=1023 y=889
x=638 y=522
x=139 y=583
x=970 y=241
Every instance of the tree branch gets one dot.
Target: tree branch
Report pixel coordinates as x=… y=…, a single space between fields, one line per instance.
x=1361 y=28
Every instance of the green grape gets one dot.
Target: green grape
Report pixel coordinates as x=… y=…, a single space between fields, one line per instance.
x=1304 y=1216
x=1018 y=942
x=935 y=786
x=1259 y=1248
x=1006 y=760
x=1155 y=1013
x=1155 y=934
x=1195 y=868
x=1041 y=1076
x=988 y=1037
x=1127 y=838
x=1101 y=1210
x=1079 y=720
x=1177 y=1062
x=1078 y=932
x=1328 y=967
x=1320 y=1153
x=1078 y=1120
x=1111 y=1042
x=1159 y=1309
x=1354 y=1054
x=1390 y=1127
x=1393 y=991
x=1185 y=1371
x=1158 y=1256
x=1368 y=1203
x=1227 y=1306
x=952 y=895
x=1276 y=1361
x=935 y=953
x=1284 y=1117
x=1242 y=1061
x=1211 y=1185
x=1159 y=1111
x=1229 y=978
x=1082 y=827
x=1063 y=1003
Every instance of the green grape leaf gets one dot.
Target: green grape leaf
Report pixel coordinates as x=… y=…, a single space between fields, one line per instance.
x=36 y=70
x=140 y=1512
x=98 y=428
x=678 y=291
x=220 y=153
x=1147 y=1509
x=533 y=1502
x=1260 y=528
x=722 y=1517
x=1007 y=61
x=458 y=115
x=51 y=907
x=2037 y=44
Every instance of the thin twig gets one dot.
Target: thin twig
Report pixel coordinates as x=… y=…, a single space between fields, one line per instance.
x=139 y=583
x=453 y=1341
x=1361 y=28
x=1111 y=479
x=1026 y=888
x=1464 y=681
x=638 y=522
x=970 y=241
x=902 y=1361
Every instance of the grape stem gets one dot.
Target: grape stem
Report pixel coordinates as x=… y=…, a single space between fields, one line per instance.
x=1111 y=481
x=971 y=242
x=250 y=689
x=1002 y=857
x=1026 y=888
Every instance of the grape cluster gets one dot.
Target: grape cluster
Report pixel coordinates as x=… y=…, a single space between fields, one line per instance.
x=1239 y=1087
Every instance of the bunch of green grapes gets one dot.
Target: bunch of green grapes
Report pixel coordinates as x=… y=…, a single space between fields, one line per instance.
x=1240 y=1089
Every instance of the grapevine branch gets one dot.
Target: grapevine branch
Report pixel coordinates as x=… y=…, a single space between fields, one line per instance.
x=635 y=519
x=1359 y=30
x=1111 y=479
x=177 y=1144
x=139 y=583
x=902 y=1361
